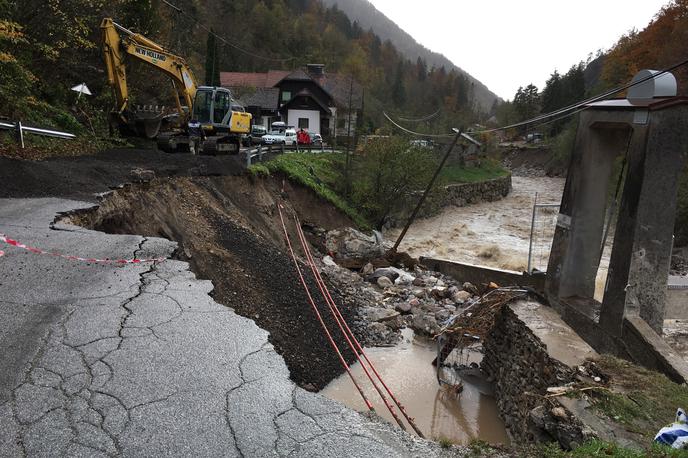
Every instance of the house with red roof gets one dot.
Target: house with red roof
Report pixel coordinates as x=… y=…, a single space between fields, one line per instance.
x=306 y=98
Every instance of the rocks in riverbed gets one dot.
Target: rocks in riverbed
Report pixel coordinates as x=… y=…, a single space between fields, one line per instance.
x=389 y=298
x=384 y=282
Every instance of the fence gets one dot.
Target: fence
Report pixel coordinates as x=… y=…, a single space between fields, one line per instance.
x=20 y=129
x=542 y=227
x=258 y=152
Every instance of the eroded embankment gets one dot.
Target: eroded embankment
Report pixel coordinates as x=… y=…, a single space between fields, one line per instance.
x=229 y=230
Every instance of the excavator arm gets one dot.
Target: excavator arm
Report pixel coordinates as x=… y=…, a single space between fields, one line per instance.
x=118 y=43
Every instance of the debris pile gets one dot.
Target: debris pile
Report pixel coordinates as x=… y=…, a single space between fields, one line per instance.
x=390 y=298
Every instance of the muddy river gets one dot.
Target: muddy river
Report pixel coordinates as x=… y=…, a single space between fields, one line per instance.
x=494 y=234
x=497 y=234
x=408 y=371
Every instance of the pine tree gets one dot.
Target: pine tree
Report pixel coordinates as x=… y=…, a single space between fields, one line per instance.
x=212 y=61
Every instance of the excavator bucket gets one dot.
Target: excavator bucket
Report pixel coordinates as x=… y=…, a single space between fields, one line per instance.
x=143 y=124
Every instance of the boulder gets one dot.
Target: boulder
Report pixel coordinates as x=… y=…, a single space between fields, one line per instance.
x=382 y=272
x=418 y=282
x=367 y=270
x=470 y=287
x=328 y=261
x=461 y=296
x=403 y=307
x=378 y=314
x=352 y=248
x=384 y=282
x=425 y=324
x=439 y=292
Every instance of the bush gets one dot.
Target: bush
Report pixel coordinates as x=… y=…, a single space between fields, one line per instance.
x=387 y=175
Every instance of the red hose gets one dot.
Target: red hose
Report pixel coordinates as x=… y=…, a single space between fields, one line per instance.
x=339 y=319
x=333 y=305
x=317 y=313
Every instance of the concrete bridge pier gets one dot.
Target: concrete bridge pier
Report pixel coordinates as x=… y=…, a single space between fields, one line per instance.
x=652 y=137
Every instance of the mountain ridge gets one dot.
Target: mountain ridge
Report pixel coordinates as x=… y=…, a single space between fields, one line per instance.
x=369 y=17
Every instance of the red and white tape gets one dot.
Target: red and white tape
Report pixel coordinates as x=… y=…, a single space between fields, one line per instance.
x=14 y=243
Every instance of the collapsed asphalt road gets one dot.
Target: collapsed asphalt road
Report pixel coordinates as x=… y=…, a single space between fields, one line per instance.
x=138 y=359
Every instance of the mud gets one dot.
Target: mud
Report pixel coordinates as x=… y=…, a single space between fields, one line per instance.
x=438 y=412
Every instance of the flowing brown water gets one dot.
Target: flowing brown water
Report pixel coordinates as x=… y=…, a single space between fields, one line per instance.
x=408 y=371
x=495 y=234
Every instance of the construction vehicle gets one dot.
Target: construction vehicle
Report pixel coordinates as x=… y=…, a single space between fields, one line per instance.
x=223 y=121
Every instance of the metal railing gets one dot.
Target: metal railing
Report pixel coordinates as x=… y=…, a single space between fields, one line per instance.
x=545 y=234
x=20 y=129
x=281 y=148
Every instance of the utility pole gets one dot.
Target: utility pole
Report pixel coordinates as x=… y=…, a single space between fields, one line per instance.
x=347 y=166
x=427 y=190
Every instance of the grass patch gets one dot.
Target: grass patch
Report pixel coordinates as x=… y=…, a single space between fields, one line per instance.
x=39 y=148
x=444 y=442
x=320 y=172
x=488 y=170
x=598 y=449
x=258 y=170
x=642 y=400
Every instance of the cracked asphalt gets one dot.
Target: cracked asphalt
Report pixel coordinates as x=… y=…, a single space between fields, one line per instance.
x=138 y=360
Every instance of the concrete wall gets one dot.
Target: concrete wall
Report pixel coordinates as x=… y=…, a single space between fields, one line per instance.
x=480 y=275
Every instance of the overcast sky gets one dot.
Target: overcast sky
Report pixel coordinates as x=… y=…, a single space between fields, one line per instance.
x=508 y=43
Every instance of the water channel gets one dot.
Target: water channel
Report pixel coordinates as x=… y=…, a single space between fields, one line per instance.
x=494 y=234
x=438 y=412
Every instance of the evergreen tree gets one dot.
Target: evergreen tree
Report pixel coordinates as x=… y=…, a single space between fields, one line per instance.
x=398 y=89
x=212 y=61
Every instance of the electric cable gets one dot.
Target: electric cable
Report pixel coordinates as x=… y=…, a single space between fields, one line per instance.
x=422 y=118
x=409 y=419
x=339 y=318
x=319 y=316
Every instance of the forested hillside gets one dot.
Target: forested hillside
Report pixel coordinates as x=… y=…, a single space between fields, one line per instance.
x=369 y=17
x=44 y=55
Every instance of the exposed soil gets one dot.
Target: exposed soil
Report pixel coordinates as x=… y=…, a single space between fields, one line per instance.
x=228 y=228
x=81 y=177
x=531 y=161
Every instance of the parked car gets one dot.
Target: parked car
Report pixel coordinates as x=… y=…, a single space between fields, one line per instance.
x=255 y=137
x=277 y=137
x=316 y=139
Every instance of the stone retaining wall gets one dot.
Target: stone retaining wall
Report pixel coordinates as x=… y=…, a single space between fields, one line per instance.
x=458 y=195
x=470 y=193
x=522 y=367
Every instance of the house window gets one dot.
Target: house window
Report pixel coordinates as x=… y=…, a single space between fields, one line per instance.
x=303 y=123
x=286 y=96
x=341 y=123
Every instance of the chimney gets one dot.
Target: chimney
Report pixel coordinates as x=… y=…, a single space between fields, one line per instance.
x=316 y=70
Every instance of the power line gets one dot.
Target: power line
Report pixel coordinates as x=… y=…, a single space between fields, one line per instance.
x=223 y=39
x=423 y=118
x=582 y=105
x=418 y=134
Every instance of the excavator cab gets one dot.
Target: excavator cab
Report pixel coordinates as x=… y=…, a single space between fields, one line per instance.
x=214 y=108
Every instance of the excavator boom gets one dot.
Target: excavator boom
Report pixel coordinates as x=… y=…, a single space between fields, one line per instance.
x=120 y=43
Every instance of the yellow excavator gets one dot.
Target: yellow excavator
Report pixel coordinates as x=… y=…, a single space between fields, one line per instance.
x=221 y=119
